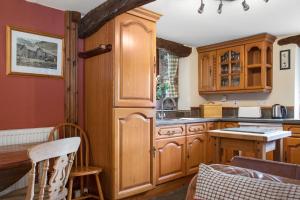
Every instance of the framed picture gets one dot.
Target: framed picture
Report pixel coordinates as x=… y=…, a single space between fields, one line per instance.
x=33 y=53
x=285 y=59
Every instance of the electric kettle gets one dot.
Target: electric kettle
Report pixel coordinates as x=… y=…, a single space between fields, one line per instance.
x=279 y=111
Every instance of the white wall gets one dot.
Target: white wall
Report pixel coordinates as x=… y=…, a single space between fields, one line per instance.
x=286 y=84
x=188 y=82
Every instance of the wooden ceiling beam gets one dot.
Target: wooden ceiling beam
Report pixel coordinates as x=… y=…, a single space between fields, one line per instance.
x=97 y=17
x=174 y=47
x=290 y=40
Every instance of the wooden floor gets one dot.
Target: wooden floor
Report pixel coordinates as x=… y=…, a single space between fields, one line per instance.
x=174 y=190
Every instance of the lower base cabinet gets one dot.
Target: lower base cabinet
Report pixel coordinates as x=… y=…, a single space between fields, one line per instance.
x=196 y=150
x=292 y=144
x=133 y=158
x=170 y=159
x=292 y=150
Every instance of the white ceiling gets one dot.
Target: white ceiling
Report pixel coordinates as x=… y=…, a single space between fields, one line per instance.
x=82 y=6
x=181 y=22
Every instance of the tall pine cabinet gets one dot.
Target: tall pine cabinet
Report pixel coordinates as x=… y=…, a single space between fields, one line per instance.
x=120 y=103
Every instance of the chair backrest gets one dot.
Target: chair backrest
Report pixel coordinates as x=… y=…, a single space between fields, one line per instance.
x=62 y=152
x=66 y=130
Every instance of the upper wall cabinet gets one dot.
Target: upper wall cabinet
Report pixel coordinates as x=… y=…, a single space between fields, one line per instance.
x=237 y=66
x=230 y=68
x=207 y=73
x=135 y=61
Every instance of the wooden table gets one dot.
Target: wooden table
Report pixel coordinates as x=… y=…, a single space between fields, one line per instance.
x=259 y=144
x=14 y=163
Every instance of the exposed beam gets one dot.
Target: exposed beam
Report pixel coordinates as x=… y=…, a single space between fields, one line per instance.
x=174 y=47
x=97 y=17
x=290 y=40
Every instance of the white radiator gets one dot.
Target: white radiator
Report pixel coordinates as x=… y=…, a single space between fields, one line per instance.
x=22 y=136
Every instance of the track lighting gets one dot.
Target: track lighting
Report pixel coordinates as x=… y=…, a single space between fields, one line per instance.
x=201 y=9
x=220 y=7
x=245 y=5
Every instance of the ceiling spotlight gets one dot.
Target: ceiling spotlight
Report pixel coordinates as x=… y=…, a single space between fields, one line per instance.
x=245 y=5
x=201 y=9
x=220 y=7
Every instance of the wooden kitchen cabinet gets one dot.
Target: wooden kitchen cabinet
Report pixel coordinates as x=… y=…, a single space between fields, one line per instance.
x=170 y=159
x=210 y=145
x=120 y=101
x=230 y=68
x=243 y=65
x=292 y=150
x=259 y=59
x=133 y=132
x=196 y=152
x=207 y=71
x=135 y=61
x=292 y=144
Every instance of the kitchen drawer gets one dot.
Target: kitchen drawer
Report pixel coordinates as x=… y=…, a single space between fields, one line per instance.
x=170 y=131
x=195 y=128
x=229 y=124
x=295 y=129
x=211 y=125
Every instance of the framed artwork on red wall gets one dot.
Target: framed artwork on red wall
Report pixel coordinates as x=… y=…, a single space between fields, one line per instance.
x=33 y=53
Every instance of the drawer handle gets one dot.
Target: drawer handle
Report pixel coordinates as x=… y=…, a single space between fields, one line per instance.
x=171 y=132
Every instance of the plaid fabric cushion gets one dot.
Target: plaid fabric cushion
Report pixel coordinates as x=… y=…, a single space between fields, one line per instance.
x=212 y=185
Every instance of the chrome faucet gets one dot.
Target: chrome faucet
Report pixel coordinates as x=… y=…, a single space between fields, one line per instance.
x=162 y=114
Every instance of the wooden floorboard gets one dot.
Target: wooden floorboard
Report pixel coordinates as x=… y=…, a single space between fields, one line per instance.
x=162 y=189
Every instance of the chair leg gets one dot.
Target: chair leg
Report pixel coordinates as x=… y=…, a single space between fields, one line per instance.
x=99 y=187
x=70 y=189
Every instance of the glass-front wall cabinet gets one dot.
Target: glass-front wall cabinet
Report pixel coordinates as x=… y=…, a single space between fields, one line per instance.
x=230 y=68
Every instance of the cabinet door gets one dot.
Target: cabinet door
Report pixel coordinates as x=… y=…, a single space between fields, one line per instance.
x=207 y=66
x=230 y=68
x=292 y=150
x=135 y=55
x=210 y=144
x=133 y=155
x=170 y=159
x=196 y=150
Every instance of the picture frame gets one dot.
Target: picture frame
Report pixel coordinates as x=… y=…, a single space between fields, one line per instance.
x=34 y=53
x=285 y=59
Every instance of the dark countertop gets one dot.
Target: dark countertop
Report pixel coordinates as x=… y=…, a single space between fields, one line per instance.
x=165 y=122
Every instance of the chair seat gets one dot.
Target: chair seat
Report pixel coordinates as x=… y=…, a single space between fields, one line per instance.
x=84 y=171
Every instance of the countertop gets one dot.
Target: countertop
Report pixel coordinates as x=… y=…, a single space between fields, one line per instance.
x=201 y=120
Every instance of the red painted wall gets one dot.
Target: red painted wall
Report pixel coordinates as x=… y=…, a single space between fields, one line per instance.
x=28 y=101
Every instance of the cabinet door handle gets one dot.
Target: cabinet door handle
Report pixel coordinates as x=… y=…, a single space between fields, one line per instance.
x=153 y=151
x=188 y=152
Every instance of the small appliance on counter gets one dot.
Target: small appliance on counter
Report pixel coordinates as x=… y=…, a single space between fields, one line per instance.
x=250 y=112
x=279 y=111
x=211 y=110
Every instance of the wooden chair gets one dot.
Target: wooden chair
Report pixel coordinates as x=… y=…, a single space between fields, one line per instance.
x=62 y=153
x=81 y=167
